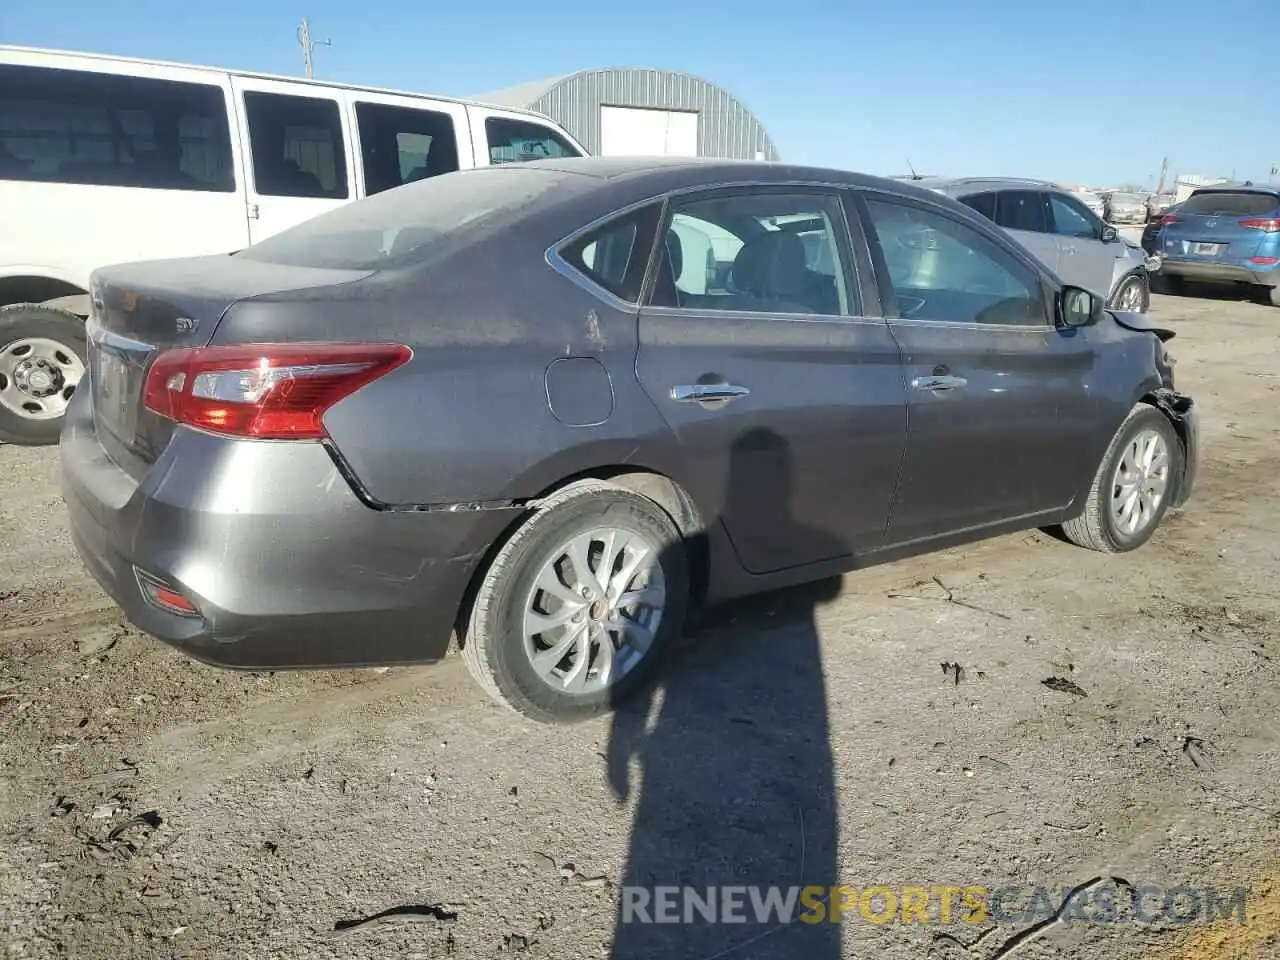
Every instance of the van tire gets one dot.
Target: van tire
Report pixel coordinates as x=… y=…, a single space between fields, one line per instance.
x=20 y=323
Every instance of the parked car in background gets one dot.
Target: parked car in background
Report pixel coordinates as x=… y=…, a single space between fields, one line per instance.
x=1158 y=205
x=1126 y=208
x=1151 y=232
x=1223 y=234
x=347 y=441
x=1058 y=228
x=1093 y=201
x=106 y=159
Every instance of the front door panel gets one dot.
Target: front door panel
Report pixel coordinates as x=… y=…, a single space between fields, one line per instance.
x=799 y=458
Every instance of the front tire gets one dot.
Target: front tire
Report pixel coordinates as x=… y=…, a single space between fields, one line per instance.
x=42 y=359
x=1131 y=490
x=578 y=606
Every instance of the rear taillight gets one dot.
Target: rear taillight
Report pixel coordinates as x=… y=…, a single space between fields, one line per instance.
x=1167 y=219
x=276 y=391
x=1266 y=224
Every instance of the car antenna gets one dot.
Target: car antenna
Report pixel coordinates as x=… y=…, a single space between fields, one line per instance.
x=914 y=175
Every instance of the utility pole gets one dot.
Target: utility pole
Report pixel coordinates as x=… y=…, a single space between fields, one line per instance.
x=308 y=46
x=1164 y=168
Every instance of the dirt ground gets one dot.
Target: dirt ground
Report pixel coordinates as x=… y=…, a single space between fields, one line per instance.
x=153 y=807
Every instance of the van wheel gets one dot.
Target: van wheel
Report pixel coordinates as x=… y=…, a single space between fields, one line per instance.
x=579 y=604
x=1131 y=490
x=42 y=358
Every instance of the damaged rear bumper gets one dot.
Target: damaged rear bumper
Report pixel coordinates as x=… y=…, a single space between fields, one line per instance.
x=1185 y=417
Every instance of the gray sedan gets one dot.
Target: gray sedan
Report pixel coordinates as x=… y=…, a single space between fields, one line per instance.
x=508 y=408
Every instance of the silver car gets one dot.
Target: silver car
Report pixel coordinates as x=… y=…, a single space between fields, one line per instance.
x=1126 y=208
x=1062 y=232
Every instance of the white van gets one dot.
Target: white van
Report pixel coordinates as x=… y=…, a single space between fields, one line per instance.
x=108 y=159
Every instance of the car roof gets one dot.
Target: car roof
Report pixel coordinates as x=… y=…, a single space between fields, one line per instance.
x=1272 y=189
x=663 y=171
x=963 y=186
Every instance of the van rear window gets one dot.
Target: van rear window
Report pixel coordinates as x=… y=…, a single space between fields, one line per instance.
x=396 y=227
x=74 y=126
x=1230 y=203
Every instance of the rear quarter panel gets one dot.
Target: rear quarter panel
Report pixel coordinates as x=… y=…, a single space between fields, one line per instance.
x=468 y=419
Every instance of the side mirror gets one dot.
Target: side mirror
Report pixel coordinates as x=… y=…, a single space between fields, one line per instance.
x=1109 y=234
x=1078 y=307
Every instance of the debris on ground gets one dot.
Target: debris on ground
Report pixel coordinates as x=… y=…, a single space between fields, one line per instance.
x=1063 y=685
x=953 y=672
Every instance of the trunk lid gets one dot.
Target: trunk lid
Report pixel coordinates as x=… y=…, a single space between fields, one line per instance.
x=140 y=309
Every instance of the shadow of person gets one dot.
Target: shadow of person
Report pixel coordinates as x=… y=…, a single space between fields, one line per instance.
x=736 y=795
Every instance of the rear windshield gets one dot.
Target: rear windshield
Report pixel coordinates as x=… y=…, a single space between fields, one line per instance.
x=399 y=225
x=1227 y=203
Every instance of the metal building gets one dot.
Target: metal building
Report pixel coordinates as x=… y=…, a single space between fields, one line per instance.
x=630 y=112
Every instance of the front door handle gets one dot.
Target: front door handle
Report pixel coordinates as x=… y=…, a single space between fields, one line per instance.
x=716 y=394
x=938 y=383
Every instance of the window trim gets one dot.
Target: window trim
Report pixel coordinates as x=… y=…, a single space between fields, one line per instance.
x=647 y=217
x=992 y=233
x=834 y=193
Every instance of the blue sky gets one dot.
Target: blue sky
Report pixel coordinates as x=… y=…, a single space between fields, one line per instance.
x=1095 y=91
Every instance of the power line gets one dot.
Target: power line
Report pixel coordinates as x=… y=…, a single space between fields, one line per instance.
x=308 y=46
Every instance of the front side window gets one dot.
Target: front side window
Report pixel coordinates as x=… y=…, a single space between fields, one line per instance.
x=941 y=269
x=756 y=252
x=513 y=141
x=616 y=255
x=297 y=145
x=1071 y=219
x=1021 y=210
x=402 y=144
x=71 y=126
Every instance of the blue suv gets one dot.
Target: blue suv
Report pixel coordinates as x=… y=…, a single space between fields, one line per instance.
x=1223 y=234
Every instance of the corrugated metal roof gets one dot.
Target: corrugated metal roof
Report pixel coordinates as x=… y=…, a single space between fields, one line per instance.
x=726 y=128
x=525 y=93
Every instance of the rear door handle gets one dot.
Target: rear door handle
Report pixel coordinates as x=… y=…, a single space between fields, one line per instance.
x=708 y=393
x=938 y=383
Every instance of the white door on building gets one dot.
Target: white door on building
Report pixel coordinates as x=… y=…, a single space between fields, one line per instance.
x=643 y=132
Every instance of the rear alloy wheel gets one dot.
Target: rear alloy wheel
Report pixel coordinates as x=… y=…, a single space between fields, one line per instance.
x=1273 y=294
x=1131 y=297
x=1130 y=492
x=42 y=358
x=576 y=608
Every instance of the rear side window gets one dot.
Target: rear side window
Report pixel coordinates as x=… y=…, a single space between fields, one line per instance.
x=71 y=126
x=984 y=203
x=1226 y=203
x=615 y=255
x=1021 y=210
x=297 y=144
x=403 y=144
x=513 y=141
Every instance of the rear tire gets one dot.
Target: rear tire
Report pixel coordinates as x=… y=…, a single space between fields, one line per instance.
x=42 y=359
x=1105 y=524
x=537 y=568
x=1273 y=295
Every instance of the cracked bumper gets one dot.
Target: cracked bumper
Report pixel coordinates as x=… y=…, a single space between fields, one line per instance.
x=284 y=565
